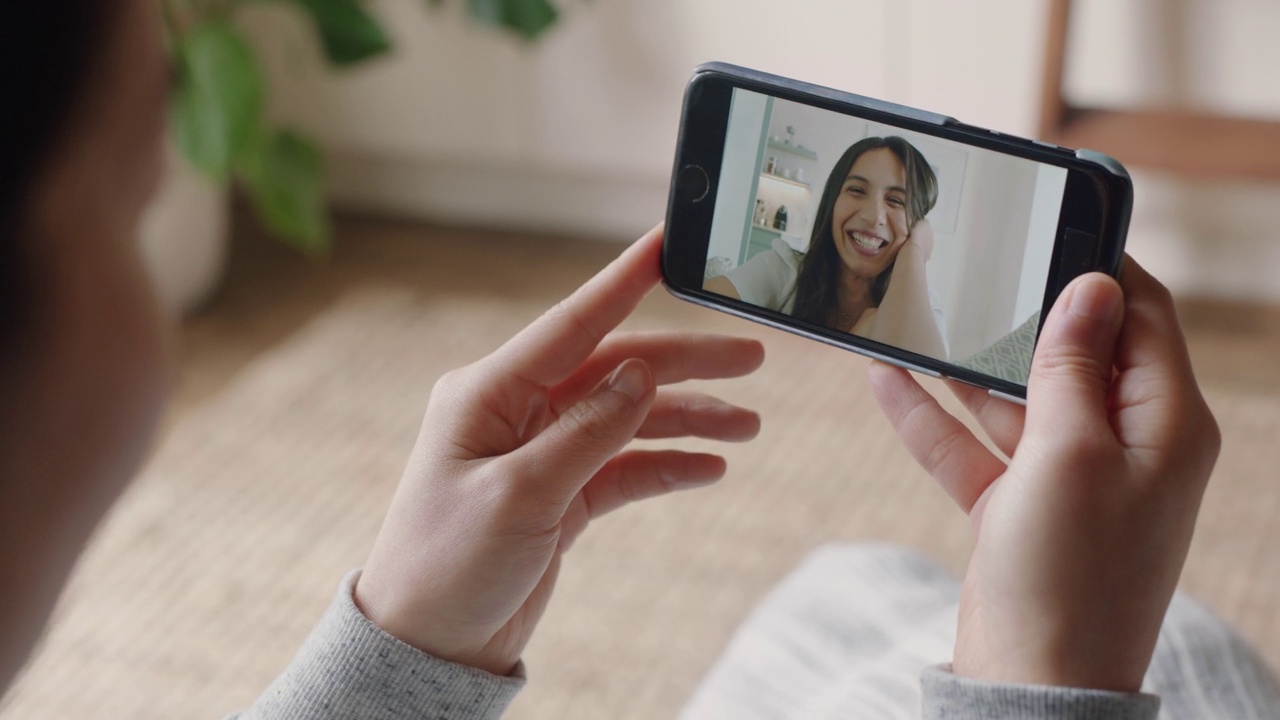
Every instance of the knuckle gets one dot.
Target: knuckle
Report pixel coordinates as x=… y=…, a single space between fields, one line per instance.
x=448 y=381
x=1199 y=438
x=588 y=425
x=568 y=309
x=453 y=384
x=1161 y=294
x=1067 y=364
x=942 y=451
x=645 y=482
x=629 y=487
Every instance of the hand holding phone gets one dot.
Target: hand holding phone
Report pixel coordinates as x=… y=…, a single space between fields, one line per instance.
x=1081 y=537
x=922 y=241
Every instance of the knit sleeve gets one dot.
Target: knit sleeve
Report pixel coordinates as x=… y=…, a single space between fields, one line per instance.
x=951 y=697
x=350 y=668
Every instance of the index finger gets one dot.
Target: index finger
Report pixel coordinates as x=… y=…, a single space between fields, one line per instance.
x=1155 y=397
x=1152 y=338
x=556 y=344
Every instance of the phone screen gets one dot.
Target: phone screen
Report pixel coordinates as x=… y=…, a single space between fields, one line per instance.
x=925 y=244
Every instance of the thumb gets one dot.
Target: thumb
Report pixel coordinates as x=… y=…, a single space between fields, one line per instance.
x=562 y=458
x=1072 y=369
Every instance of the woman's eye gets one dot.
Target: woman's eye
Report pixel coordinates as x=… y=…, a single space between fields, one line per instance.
x=897 y=202
x=855 y=190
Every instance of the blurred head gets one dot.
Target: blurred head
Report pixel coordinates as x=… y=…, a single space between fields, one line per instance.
x=876 y=193
x=82 y=346
x=80 y=142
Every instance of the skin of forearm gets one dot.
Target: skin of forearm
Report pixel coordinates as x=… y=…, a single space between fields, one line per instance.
x=905 y=316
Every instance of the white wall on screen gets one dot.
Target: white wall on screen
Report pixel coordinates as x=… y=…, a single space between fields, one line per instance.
x=828 y=135
x=737 y=171
x=1046 y=205
x=990 y=240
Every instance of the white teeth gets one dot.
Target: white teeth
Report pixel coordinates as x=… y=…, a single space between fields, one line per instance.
x=866 y=242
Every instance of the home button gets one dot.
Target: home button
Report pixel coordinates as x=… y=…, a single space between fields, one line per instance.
x=693 y=183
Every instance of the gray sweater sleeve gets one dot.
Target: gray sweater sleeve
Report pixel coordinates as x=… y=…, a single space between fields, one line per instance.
x=951 y=697
x=351 y=668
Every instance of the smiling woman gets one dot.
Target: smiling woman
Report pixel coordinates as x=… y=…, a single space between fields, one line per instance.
x=863 y=271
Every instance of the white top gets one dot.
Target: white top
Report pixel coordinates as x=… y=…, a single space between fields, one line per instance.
x=768 y=279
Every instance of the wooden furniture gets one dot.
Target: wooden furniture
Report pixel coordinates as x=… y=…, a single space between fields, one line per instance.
x=1205 y=145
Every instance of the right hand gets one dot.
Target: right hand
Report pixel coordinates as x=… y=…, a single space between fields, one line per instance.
x=1080 y=539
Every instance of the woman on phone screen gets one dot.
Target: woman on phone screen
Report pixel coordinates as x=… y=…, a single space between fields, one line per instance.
x=864 y=270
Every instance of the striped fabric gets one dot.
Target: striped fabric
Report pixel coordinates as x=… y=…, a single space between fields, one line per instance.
x=849 y=632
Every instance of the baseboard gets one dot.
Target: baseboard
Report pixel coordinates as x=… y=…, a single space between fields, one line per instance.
x=506 y=196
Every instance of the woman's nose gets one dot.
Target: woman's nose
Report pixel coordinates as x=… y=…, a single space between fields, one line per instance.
x=874 y=213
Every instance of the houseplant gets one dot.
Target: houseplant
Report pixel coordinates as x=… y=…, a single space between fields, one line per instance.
x=218 y=120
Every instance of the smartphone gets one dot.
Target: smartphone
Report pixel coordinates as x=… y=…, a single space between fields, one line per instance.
x=899 y=234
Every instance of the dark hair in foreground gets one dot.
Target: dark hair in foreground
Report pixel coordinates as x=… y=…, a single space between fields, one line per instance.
x=818 y=279
x=45 y=49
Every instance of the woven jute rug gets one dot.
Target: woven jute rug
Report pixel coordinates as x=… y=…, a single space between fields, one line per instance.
x=214 y=566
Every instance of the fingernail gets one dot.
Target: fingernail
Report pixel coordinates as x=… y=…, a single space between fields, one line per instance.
x=1096 y=300
x=631 y=379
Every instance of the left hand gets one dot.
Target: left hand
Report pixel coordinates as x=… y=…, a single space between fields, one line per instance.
x=921 y=238
x=520 y=450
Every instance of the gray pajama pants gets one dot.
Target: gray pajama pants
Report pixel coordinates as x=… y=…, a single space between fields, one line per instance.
x=848 y=633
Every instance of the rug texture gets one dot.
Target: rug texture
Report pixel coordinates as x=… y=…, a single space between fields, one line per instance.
x=213 y=567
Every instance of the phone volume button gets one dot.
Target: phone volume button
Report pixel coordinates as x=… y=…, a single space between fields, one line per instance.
x=908 y=366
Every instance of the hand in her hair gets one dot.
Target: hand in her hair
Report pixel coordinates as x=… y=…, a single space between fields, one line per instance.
x=922 y=238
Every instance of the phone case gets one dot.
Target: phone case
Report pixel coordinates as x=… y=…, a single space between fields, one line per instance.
x=894 y=113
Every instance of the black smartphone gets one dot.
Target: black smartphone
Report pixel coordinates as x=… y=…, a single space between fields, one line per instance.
x=896 y=233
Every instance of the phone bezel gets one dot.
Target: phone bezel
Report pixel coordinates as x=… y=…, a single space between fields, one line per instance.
x=1097 y=201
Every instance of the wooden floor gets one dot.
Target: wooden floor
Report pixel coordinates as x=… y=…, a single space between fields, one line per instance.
x=270 y=291
x=290 y=443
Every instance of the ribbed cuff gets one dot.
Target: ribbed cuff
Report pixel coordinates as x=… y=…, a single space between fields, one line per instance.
x=948 y=696
x=350 y=668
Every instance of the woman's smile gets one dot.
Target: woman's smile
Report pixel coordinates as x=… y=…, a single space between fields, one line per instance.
x=866 y=243
x=869 y=216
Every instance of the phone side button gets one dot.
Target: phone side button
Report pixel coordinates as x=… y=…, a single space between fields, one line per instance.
x=905 y=365
x=1006 y=396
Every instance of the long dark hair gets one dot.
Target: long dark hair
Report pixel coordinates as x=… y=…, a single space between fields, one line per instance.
x=819 y=277
x=45 y=49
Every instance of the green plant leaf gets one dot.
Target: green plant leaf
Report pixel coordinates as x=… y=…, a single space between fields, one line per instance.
x=348 y=33
x=528 y=18
x=218 y=99
x=283 y=173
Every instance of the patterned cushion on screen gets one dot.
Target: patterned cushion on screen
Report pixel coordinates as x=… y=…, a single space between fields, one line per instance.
x=1008 y=358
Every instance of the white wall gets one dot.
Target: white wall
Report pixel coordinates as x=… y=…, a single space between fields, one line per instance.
x=742 y=144
x=576 y=134
x=1045 y=209
x=1207 y=238
x=828 y=135
x=990 y=239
